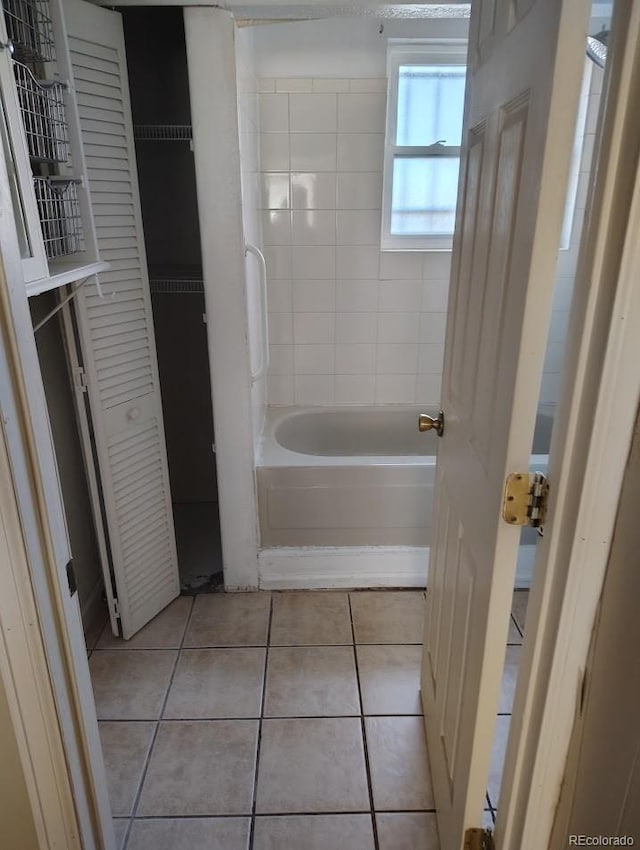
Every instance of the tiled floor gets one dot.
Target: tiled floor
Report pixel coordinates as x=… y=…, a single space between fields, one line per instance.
x=273 y=722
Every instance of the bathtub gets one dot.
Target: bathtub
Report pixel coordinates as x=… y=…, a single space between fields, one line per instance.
x=354 y=476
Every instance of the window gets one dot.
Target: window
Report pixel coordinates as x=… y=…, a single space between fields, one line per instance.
x=422 y=145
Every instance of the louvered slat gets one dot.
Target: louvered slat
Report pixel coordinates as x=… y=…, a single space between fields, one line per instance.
x=117 y=331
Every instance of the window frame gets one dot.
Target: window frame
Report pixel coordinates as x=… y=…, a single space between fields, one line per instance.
x=413 y=52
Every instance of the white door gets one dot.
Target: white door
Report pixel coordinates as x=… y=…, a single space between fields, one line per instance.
x=116 y=332
x=525 y=65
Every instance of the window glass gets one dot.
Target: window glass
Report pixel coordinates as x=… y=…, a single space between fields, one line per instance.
x=424 y=195
x=430 y=104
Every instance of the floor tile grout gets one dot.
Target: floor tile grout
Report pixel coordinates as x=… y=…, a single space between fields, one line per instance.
x=136 y=800
x=367 y=766
x=259 y=741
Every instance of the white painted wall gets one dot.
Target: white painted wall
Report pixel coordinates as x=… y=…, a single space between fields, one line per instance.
x=214 y=108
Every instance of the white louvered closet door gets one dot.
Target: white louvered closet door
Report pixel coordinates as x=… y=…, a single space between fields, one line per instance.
x=116 y=331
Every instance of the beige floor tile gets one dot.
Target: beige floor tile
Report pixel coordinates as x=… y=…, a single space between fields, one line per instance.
x=120 y=828
x=314 y=832
x=130 y=685
x=497 y=758
x=311 y=617
x=390 y=679
x=190 y=834
x=519 y=607
x=514 y=635
x=509 y=679
x=212 y=683
x=125 y=747
x=203 y=767
x=312 y=765
x=229 y=619
x=407 y=831
x=388 y=617
x=305 y=681
x=400 y=776
x=163 y=632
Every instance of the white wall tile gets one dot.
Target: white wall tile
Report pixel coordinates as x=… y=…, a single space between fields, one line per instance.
x=278 y=296
x=281 y=360
x=312 y=113
x=314 y=328
x=294 y=84
x=314 y=296
x=435 y=295
x=356 y=296
x=550 y=388
x=280 y=389
x=362 y=112
x=554 y=357
x=280 y=328
x=360 y=151
x=314 y=262
x=278 y=259
x=274 y=151
x=430 y=357
x=397 y=359
x=395 y=389
x=400 y=296
x=359 y=190
x=563 y=293
x=314 y=359
x=355 y=359
x=436 y=265
x=558 y=326
x=274 y=113
x=428 y=389
x=355 y=389
x=276 y=227
x=313 y=190
x=358 y=227
x=356 y=327
x=275 y=191
x=313 y=227
x=433 y=327
x=313 y=389
x=313 y=151
x=368 y=84
x=327 y=84
x=356 y=262
x=399 y=265
x=398 y=327
x=567 y=262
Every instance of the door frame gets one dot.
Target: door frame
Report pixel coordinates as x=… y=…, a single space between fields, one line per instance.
x=599 y=398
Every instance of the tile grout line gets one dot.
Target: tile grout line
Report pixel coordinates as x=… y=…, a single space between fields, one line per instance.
x=260 y=720
x=363 y=730
x=154 y=737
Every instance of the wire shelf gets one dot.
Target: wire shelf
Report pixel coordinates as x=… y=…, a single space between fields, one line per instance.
x=163 y=132
x=60 y=218
x=30 y=29
x=43 y=116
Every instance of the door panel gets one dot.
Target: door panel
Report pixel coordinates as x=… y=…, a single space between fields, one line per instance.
x=117 y=330
x=521 y=104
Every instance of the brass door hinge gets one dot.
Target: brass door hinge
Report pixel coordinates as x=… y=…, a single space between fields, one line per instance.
x=525 y=499
x=478 y=839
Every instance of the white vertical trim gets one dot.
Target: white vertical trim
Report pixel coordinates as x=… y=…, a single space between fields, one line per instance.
x=214 y=109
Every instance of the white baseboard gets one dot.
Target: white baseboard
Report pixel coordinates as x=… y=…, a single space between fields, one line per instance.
x=349 y=566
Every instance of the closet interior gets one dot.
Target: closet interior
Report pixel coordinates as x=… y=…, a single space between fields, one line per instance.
x=159 y=89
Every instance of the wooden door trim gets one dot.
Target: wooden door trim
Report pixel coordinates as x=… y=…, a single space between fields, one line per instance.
x=587 y=462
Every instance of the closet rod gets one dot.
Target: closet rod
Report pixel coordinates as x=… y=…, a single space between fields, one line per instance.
x=66 y=300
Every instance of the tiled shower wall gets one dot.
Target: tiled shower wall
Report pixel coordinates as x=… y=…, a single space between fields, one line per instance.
x=348 y=324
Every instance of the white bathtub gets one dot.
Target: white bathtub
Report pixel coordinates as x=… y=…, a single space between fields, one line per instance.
x=354 y=476
x=345 y=477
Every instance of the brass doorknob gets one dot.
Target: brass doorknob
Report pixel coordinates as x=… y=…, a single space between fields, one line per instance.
x=428 y=423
